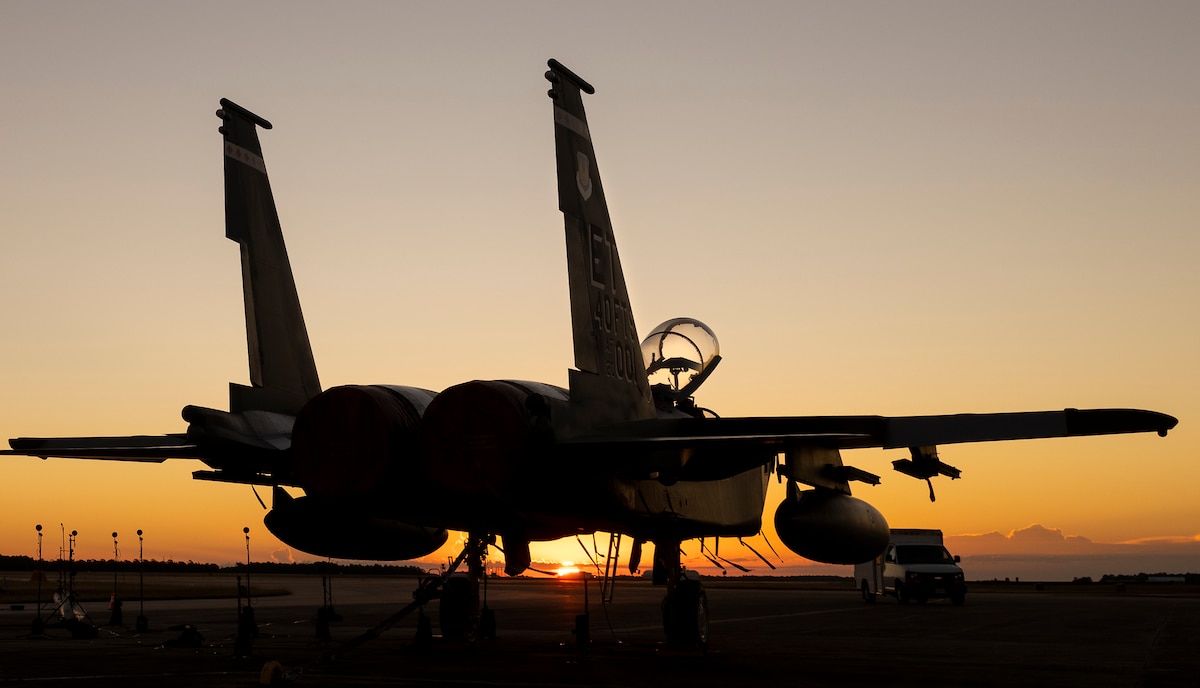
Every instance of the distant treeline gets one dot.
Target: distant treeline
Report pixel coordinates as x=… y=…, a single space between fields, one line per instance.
x=1188 y=578
x=822 y=578
x=24 y=563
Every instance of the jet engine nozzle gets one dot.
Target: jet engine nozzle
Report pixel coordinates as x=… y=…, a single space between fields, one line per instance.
x=357 y=440
x=475 y=435
x=831 y=527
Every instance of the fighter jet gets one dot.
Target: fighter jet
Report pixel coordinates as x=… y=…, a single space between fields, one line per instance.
x=386 y=471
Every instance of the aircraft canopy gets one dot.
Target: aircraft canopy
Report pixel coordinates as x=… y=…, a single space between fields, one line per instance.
x=678 y=351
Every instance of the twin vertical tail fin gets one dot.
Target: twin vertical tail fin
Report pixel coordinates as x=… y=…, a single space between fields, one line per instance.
x=283 y=374
x=609 y=384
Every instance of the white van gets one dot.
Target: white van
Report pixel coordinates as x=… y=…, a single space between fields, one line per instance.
x=915 y=566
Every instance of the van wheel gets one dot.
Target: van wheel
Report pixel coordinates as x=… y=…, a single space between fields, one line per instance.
x=958 y=600
x=867 y=595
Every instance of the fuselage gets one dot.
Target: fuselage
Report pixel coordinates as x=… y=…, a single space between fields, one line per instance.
x=484 y=457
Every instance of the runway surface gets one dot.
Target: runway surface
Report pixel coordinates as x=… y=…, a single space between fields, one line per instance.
x=776 y=633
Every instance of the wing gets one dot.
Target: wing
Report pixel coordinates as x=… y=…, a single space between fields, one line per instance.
x=714 y=448
x=856 y=432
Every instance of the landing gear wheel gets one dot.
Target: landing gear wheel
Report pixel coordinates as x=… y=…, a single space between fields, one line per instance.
x=685 y=615
x=424 y=637
x=487 y=624
x=458 y=614
x=867 y=595
x=271 y=674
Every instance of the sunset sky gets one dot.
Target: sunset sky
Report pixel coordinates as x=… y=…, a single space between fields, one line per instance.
x=880 y=208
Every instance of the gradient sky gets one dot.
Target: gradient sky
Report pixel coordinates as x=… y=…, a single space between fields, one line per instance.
x=892 y=208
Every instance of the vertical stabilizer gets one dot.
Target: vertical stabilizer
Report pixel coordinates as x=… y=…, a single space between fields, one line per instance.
x=283 y=374
x=610 y=383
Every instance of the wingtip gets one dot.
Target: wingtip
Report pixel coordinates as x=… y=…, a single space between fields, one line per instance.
x=1117 y=421
x=1166 y=424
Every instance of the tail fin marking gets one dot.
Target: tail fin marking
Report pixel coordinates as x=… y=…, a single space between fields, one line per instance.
x=609 y=382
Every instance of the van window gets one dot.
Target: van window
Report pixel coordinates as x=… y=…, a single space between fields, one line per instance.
x=923 y=554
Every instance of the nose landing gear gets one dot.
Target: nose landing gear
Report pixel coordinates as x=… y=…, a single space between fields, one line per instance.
x=685 y=608
x=685 y=613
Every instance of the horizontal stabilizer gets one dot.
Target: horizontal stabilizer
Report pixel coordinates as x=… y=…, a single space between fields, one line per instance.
x=247 y=479
x=147 y=448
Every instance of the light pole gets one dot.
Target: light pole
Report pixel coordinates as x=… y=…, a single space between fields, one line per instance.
x=246 y=532
x=37 y=619
x=247 y=626
x=115 y=617
x=71 y=565
x=115 y=555
x=69 y=604
x=143 y=624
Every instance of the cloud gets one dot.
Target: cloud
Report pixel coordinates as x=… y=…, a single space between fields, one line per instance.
x=283 y=556
x=1037 y=534
x=1037 y=552
x=1032 y=539
x=1163 y=539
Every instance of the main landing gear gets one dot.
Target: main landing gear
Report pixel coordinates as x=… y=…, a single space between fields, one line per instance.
x=685 y=613
x=459 y=611
x=460 y=615
x=463 y=619
x=685 y=608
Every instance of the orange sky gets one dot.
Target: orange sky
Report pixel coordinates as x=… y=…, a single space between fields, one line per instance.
x=930 y=209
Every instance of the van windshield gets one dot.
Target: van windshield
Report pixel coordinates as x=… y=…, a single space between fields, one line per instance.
x=923 y=554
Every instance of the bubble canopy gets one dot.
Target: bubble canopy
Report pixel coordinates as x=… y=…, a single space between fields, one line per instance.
x=680 y=351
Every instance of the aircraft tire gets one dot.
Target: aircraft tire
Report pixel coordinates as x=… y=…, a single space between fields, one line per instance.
x=272 y=673
x=685 y=615
x=456 y=609
x=487 y=624
x=867 y=595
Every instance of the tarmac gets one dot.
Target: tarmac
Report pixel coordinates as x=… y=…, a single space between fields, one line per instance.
x=768 y=633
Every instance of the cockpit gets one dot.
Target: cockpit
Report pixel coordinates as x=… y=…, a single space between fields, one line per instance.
x=679 y=355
